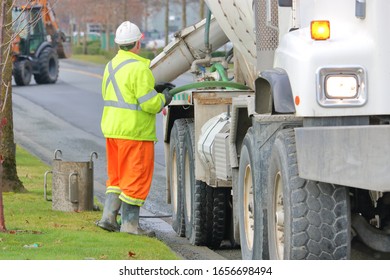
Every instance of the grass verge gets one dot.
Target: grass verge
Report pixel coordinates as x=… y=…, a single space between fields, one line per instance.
x=36 y=232
x=97 y=59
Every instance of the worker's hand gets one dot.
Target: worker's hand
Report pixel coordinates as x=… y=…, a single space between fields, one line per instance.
x=159 y=87
x=168 y=97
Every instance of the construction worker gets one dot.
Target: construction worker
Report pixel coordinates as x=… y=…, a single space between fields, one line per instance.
x=128 y=124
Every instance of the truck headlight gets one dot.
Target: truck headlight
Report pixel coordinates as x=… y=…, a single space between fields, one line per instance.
x=341 y=87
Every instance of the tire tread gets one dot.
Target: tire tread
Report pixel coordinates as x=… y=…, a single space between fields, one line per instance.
x=318 y=210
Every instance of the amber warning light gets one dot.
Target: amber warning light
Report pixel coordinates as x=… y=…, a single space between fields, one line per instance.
x=320 y=30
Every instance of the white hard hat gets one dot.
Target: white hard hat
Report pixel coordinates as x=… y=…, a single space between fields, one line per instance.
x=127 y=33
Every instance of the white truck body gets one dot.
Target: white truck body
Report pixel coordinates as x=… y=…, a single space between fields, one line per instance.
x=297 y=161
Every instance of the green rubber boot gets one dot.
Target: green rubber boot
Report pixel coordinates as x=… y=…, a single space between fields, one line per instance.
x=112 y=204
x=130 y=221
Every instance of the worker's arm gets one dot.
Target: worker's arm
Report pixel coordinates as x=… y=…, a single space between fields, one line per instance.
x=148 y=98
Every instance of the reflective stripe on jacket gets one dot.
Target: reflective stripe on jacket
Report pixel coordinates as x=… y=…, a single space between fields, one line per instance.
x=130 y=101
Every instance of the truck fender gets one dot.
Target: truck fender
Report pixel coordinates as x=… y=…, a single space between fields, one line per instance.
x=43 y=46
x=273 y=93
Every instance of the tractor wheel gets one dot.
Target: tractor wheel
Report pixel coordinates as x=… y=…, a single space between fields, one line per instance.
x=22 y=72
x=47 y=67
x=306 y=219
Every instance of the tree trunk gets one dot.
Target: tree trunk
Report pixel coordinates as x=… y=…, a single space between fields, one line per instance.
x=201 y=9
x=184 y=14
x=2 y=21
x=107 y=34
x=85 y=39
x=10 y=179
x=166 y=21
x=2 y=220
x=125 y=14
x=78 y=34
x=146 y=12
x=107 y=39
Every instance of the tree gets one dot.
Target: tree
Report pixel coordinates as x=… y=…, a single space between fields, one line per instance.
x=166 y=21
x=76 y=14
x=201 y=9
x=10 y=179
x=151 y=7
x=183 y=14
x=2 y=23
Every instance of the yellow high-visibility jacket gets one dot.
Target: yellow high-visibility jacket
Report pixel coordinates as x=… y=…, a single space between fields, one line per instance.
x=130 y=100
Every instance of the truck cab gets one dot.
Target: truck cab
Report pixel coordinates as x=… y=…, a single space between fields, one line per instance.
x=293 y=167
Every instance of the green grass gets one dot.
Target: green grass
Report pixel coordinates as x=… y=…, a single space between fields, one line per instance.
x=97 y=59
x=104 y=59
x=57 y=235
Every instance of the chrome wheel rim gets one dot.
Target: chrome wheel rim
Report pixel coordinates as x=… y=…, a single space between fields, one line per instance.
x=279 y=216
x=249 y=207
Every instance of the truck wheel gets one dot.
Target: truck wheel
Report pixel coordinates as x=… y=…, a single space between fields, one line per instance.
x=47 y=67
x=176 y=161
x=217 y=207
x=194 y=192
x=307 y=219
x=252 y=220
x=22 y=72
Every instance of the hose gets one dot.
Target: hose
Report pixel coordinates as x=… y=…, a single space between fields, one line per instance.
x=208 y=84
x=221 y=71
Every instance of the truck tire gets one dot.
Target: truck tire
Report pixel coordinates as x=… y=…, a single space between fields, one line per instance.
x=307 y=219
x=194 y=192
x=47 y=67
x=217 y=207
x=22 y=72
x=252 y=221
x=176 y=161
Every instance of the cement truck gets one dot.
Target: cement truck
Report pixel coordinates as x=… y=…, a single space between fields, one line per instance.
x=293 y=164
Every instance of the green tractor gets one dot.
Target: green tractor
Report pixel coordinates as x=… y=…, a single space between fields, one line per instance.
x=35 y=51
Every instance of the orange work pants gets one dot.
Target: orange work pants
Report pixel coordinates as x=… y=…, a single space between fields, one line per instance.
x=130 y=167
